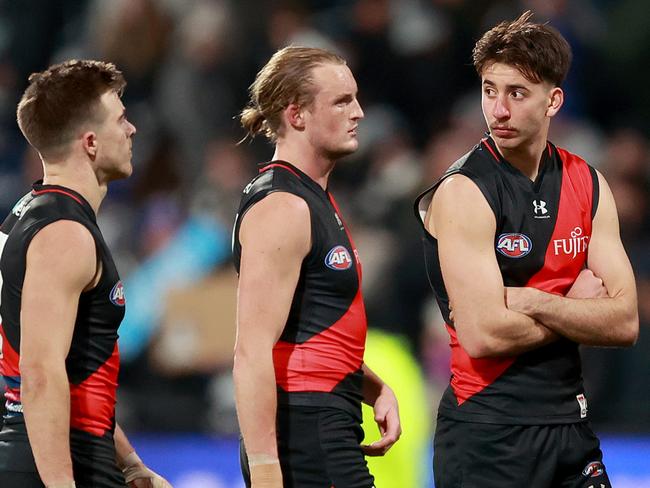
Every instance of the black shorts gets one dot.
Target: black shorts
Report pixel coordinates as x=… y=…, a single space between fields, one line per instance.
x=93 y=460
x=319 y=447
x=475 y=455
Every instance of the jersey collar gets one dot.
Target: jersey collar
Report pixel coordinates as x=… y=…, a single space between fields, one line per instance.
x=305 y=178
x=38 y=188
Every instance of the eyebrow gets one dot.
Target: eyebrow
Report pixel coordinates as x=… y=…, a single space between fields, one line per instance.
x=508 y=87
x=346 y=97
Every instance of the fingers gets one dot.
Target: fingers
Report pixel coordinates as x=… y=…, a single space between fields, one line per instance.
x=156 y=482
x=375 y=449
x=390 y=429
x=140 y=483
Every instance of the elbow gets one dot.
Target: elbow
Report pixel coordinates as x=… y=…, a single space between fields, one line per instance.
x=240 y=359
x=34 y=378
x=630 y=331
x=249 y=356
x=478 y=352
x=483 y=349
x=475 y=342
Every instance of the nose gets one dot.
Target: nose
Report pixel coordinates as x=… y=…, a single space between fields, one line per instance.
x=357 y=111
x=500 y=109
x=132 y=129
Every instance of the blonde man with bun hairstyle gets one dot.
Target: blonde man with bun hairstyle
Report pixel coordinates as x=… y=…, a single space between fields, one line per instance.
x=299 y=371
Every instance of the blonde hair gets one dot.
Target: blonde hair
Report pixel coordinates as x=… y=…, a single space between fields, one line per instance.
x=285 y=79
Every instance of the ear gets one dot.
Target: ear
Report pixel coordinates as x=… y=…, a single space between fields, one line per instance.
x=294 y=116
x=89 y=143
x=555 y=101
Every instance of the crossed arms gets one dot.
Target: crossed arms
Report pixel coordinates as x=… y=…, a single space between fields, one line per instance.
x=492 y=320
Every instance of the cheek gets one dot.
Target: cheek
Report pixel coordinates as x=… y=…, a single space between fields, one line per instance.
x=486 y=106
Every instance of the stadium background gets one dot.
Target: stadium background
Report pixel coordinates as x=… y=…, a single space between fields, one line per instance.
x=188 y=64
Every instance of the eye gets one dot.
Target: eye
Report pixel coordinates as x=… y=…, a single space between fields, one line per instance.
x=489 y=91
x=518 y=95
x=343 y=101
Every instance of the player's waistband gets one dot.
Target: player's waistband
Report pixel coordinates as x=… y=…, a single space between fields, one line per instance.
x=14 y=428
x=348 y=403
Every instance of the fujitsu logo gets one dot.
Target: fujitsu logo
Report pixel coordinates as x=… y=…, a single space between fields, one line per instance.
x=573 y=246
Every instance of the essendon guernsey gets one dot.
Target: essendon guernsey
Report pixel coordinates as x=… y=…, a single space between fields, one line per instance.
x=92 y=363
x=542 y=235
x=319 y=355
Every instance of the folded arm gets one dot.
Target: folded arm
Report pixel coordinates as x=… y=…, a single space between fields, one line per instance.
x=463 y=223
x=610 y=320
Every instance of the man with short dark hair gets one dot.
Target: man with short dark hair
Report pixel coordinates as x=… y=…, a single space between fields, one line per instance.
x=62 y=298
x=523 y=251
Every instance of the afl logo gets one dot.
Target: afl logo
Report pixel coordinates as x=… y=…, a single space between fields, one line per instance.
x=514 y=245
x=117 y=295
x=338 y=259
x=593 y=469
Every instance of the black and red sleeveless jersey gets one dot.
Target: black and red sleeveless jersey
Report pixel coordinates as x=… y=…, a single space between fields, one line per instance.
x=542 y=235
x=319 y=355
x=92 y=363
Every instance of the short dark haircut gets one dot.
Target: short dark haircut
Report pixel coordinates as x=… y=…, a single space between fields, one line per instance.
x=538 y=51
x=59 y=100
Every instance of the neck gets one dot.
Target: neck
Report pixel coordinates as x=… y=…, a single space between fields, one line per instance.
x=526 y=158
x=78 y=176
x=307 y=160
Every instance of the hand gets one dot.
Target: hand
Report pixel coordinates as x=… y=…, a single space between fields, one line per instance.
x=265 y=474
x=137 y=475
x=519 y=298
x=387 y=418
x=587 y=285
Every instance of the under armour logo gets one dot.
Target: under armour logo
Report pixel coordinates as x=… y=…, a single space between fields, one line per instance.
x=540 y=207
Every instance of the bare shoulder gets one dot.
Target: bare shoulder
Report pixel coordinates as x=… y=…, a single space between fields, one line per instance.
x=64 y=250
x=281 y=205
x=457 y=189
x=280 y=218
x=458 y=198
x=602 y=182
x=606 y=210
x=63 y=236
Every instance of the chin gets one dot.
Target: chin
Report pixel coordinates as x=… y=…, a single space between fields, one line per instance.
x=120 y=173
x=349 y=148
x=507 y=143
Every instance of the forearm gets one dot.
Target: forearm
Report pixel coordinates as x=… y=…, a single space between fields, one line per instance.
x=503 y=333
x=372 y=386
x=256 y=401
x=590 y=321
x=123 y=447
x=45 y=395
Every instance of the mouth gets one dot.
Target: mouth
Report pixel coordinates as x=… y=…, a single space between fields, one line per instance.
x=353 y=131
x=505 y=132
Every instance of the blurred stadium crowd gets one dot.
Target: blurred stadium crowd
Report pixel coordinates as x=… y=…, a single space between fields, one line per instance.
x=188 y=64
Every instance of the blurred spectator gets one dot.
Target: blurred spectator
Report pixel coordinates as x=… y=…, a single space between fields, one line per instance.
x=189 y=63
